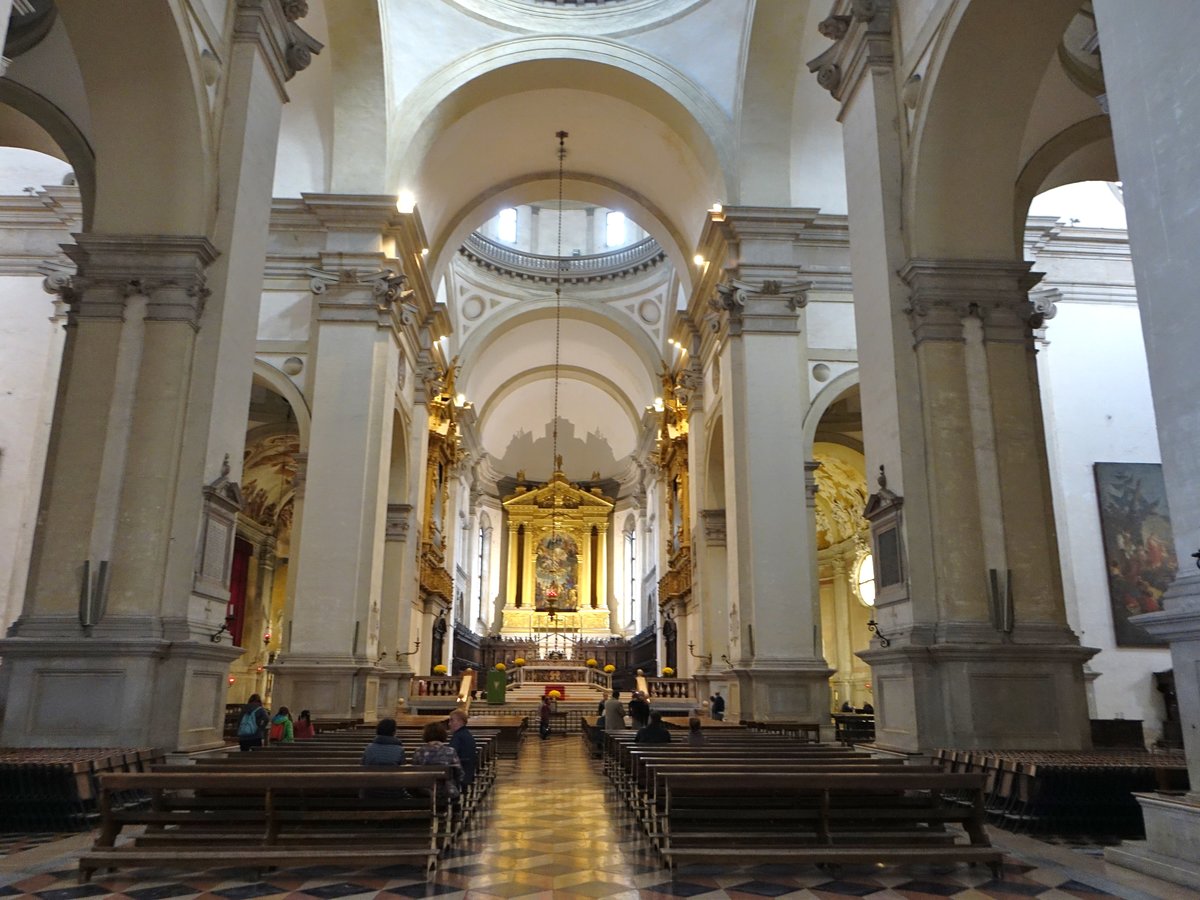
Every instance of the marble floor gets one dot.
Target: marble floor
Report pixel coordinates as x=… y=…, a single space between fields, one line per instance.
x=553 y=827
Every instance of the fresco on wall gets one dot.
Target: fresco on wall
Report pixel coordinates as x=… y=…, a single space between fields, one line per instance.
x=1139 y=549
x=557 y=573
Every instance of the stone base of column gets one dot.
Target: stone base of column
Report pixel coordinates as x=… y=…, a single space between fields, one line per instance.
x=785 y=691
x=1171 y=850
x=1001 y=696
x=114 y=691
x=341 y=688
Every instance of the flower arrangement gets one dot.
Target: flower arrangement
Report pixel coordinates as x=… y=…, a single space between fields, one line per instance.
x=500 y=667
x=439 y=669
x=668 y=671
x=519 y=661
x=554 y=695
x=610 y=668
x=591 y=663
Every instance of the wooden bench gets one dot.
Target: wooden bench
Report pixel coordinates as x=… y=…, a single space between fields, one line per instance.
x=822 y=818
x=200 y=820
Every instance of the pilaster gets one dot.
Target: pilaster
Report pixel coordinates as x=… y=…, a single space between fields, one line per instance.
x=332 y=662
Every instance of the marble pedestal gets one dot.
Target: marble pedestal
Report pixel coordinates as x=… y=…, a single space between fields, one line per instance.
x=1171 y=850
x=976 y=695
x=112 y=689
x=329 y=689
x=785 y=691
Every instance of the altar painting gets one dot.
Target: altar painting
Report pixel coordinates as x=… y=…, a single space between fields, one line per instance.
x=557 y=573
x=1139 y=548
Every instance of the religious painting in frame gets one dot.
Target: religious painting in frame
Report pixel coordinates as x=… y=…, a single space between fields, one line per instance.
x=1139 y=548
x=556 y=573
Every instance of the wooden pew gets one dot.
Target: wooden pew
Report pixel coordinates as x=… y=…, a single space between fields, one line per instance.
x=824 y=818
x=200 y=820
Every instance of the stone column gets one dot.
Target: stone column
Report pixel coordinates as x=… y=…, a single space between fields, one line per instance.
x=395 y=609
x=974 y=617
x=841 y=610
x=1150 y=119
x=774 y=635
x=330 y=663
x=108 y=629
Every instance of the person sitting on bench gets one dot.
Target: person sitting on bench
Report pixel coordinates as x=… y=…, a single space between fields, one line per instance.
x=654 y=733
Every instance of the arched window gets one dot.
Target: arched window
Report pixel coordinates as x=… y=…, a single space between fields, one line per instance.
x=484 y=562
x=506 y=225
x=862 y=578
x=631 y=565
x=614 y=229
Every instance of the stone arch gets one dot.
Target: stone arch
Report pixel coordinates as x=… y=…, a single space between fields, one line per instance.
x=1080 y=152
x=525 y=90
x=51 y=131
x=505 y=320
x=577 y=186
x=271 y=377
x=398 y=474
x=833 y=391
x=151 y=136
x=714 y=470
x=966 y=142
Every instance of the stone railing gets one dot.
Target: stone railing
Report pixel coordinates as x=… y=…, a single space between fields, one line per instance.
x=572 y=269
x=669 y=688
x=436 y=686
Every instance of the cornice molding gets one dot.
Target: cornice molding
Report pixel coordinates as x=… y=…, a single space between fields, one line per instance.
x=271 y=25
x=862 y=34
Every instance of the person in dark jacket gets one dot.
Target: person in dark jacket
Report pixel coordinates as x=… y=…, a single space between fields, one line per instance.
x=639 y=710
x=252 y=727
x=387 y=750
x=463 y=743
x=654 y=733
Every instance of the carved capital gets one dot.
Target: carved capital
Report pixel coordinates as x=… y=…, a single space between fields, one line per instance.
x=351 y=294
x=768 y=306
x=396 y=524
x=168 y=271
x=862 y=34
x=713 y=522
x=272 y=26
x=945 y=292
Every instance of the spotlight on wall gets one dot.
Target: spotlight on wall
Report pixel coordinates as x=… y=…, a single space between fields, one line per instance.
x=406 y=201
x=699 y=260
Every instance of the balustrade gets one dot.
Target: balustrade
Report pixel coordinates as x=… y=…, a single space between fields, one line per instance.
x=669 y=688
x=635 y=257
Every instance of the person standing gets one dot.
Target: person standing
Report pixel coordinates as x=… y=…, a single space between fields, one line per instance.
x=614 y=713
x=464 y=745
x=252 y=727
x=544 y=717
x=716 y=706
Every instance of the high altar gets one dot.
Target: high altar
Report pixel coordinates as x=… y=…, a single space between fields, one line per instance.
x=557 y=560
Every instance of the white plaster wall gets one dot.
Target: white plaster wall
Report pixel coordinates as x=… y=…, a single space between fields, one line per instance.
x=30 y=353
x=1096 y=397
x=830 y=322
x=306 y=130
x=284 y=316
x=21 y=169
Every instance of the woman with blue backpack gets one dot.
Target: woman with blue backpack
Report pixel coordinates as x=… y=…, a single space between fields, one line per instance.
x=252 y=728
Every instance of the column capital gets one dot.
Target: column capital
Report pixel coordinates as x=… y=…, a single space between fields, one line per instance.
x=271 y=24
x=363 y=294
x=713 y=521
x=169 y=271
x=862 y=34
x=944 y=292
x=765 y=307
x=396 y=523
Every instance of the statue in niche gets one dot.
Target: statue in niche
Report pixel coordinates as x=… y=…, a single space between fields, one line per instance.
x=438 y=644
x=670 y=633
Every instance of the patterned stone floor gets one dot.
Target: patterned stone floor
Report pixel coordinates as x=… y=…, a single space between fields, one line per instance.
x=553 y=828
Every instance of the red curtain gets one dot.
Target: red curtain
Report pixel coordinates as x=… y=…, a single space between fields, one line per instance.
x=242 y=551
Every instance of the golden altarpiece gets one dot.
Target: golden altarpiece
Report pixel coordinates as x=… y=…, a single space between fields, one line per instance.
x=557 y=559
